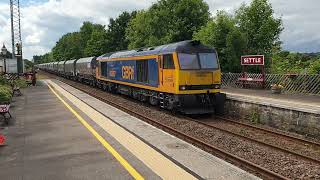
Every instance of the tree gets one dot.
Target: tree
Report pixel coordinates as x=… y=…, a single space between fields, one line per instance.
x=116 y=32
x=28 y=64
x=257 y=21
x=286 y=62
x=38 y=59
x=86 y=30
x=236 y=46
x=314 y=68
x=222 y=33
x=96 y=45
x=167 y=21
x=73 y=45
x=69 y=46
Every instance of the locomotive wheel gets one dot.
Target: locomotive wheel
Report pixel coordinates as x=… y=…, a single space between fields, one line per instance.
x=153 y=101
x=143 y=98
x=104 y=87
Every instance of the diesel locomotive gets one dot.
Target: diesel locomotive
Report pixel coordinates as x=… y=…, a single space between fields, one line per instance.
x=183 y=76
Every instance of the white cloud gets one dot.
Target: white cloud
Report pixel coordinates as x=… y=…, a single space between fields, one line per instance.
x=43 y=23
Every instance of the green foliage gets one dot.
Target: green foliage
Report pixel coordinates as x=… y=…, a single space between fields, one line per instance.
x=5 y=94
x=22 y=83
x=253 y=30
x=43 y=58
x=257 y=21
x=222 y=33
x=284 y=62
x=254 y=116
x=315 y=67
x=28 y=64
x=86 y=31
x=69 y=46
x=3 y=81
x=116 y=33
x=167 y=21
x=96 y=45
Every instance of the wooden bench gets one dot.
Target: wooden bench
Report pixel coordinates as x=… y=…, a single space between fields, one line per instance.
x=251 y=82
x=5 y=111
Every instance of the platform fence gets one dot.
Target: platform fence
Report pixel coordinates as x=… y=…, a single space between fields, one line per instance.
x=301 y=84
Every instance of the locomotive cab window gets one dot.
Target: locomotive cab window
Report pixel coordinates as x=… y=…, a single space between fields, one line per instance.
x=168 y=61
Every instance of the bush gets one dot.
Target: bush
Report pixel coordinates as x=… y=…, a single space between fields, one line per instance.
x=20 y=83
x=5 y=94
x=3 y=81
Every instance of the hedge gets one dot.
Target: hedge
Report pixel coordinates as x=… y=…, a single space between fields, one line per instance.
x=5 y=94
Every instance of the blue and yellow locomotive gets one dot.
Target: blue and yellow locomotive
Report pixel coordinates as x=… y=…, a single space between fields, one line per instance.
x=183 y=76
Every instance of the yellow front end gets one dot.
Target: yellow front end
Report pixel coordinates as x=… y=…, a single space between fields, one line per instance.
x=196 y=81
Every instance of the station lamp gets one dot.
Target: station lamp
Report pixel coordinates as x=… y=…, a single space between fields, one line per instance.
x=4 y=54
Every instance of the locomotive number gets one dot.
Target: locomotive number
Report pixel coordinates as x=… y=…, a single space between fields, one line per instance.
x=128 y=72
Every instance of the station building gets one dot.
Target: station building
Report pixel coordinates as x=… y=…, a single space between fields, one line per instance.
x=7 y=65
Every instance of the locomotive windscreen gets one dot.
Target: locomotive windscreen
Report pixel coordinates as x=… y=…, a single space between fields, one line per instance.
x=194 y=61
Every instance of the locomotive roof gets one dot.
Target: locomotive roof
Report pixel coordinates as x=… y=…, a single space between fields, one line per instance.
x=188 y=46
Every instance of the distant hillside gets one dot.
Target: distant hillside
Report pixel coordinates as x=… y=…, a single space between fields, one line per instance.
x=312 y=54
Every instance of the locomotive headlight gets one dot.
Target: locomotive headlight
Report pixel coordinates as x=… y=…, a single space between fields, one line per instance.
x=217 y=86
x=183 y=88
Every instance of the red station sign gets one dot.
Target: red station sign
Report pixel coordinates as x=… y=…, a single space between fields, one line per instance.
x=252 y=60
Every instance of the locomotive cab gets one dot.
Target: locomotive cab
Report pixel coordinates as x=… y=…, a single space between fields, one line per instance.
x=193 y=73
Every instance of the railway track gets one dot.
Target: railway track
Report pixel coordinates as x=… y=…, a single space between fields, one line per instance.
x=246 y=164
x=211 y=124
x=269 y=131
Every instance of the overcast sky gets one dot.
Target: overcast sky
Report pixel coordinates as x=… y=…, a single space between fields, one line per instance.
x=45 y=21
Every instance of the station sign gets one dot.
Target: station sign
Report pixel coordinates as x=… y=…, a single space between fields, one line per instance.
x=252 y=60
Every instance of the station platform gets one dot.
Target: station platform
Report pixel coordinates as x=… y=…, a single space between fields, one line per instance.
x=296 y=102
x=59 y=132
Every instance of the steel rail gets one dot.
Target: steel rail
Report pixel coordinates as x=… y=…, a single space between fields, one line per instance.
x=257 y=141
x=304 y=141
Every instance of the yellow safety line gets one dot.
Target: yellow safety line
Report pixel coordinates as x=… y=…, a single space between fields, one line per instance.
x=122 y=161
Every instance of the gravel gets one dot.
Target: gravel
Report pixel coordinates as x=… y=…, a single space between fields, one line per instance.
x=303 y=148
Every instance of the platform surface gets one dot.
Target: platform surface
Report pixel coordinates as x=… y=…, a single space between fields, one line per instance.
x=297 y=102
x=47 y=141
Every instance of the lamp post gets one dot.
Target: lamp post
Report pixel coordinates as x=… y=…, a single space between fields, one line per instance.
x=4 y=53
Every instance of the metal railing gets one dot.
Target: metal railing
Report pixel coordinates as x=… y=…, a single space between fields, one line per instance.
x=293 y=83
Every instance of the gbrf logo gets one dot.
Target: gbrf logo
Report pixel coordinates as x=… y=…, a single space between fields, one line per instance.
x=128 y=72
